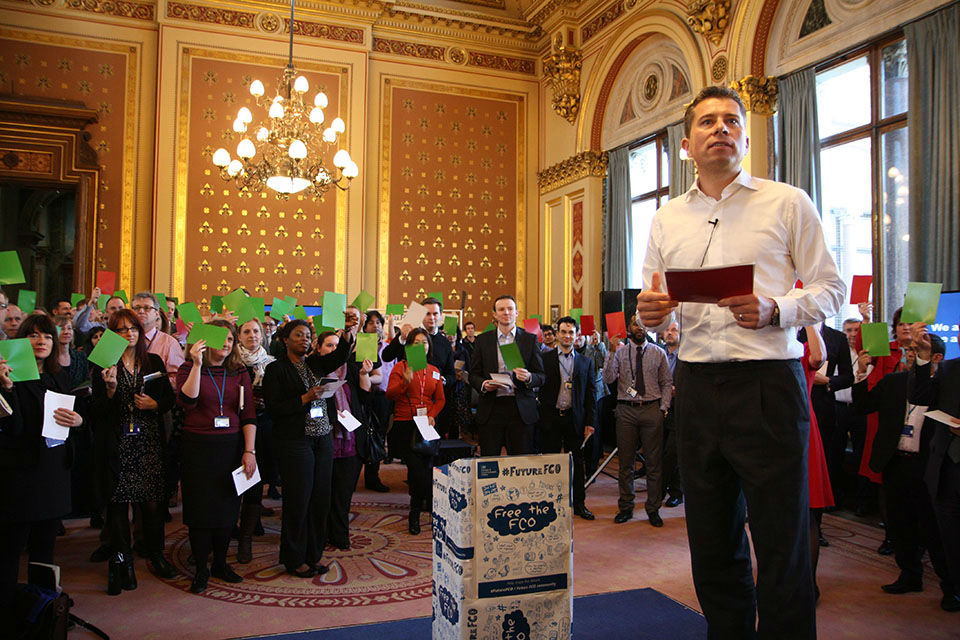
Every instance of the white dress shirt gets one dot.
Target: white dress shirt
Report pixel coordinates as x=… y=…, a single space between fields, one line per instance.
x=770 y=224
x=504 y=338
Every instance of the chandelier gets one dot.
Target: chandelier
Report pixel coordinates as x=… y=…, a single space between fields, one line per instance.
x=288 y=150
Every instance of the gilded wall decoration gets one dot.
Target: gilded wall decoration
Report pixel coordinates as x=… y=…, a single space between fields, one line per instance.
x=719 y=69
x=119 y=8
x=578 y=251
x=326 y=31
x=213 y=15
x=27 y=161
x=452 y=195
x=231 y=239
x=102 y=76
x=562 y=69
x=607 y=17
x=582 y=165
x=759 y=94
x=709 y=18
x=527 y=66
x=411 y=49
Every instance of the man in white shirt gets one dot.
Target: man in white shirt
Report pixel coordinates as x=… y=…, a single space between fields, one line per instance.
x=741 y=411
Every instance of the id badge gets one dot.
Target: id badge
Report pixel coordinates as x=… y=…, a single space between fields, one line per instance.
x=316 y=410
x=221 y=422
x=568 y=385
x=133 y=429
x=436 y=375
x=421 y=411
x=907 y=430
x=631 y=392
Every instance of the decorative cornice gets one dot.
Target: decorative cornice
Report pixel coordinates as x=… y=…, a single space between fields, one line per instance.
x=607 y=17
x=458 y=24
x=759 y=94
x=212 y=15
x=562 y=69
x=546 y=9
x=411 y=49
x=339 y=33
x=709 y=18
x=583 y=165
x=526 y=66
x=118 y=8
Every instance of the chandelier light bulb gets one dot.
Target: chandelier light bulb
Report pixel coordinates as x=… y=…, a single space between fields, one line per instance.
x=322 y=176
x=234 y=167
x=244 y=115
x=316 y=115
x=321 y=100
x=300 y=85
x=351 y=170
x=262 y=134
x=246 y=149
x=341 y=158
x=297 y=150
x=221 y=157
x=338 y=125
x=329 y=135
x=276 y=110
x=256 y=88
x=239 y=126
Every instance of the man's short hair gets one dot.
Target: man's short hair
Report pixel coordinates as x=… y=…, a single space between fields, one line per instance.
x=57 y=301
x=568 y=320
x=547 y=327
x=432 y=300
x=937 y=345
x=505 y=296
x=469 y=323
x=853 y=321
x=711 y=91
x=147 y=295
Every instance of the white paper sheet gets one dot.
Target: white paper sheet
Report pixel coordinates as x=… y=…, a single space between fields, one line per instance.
x=331 y=388
x=426 y=430
x=413 y=316
x=503 y=378
x=51 y=402
x=348 y=420
x=942 y=416
x=240 y=480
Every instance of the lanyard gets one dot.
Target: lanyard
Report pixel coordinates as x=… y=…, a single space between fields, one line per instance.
x=220 y=390
x=560 y=357
x=630 y=358
x=423 y=382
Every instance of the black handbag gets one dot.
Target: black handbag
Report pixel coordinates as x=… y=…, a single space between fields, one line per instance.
x=370 y=446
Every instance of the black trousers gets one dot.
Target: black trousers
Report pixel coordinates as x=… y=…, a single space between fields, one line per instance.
x=505 y=427
x=346 y=471
x=671 y=483
x=743 y=430
x=38 y=538
x=151 y=524
x=559 y=433
x=911 y=521
x=946 y=506
x=382 y=407
x=306 y=469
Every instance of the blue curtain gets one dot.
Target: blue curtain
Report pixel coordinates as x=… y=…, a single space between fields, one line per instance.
x=682 y=174
x=618 y=227
x=799 y=133
x=933 y=54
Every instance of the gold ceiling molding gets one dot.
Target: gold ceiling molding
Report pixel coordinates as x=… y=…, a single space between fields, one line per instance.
x=709 y=18
x=119 y=8
x=759 y=94
x=608 y=16
x=514 y=34
x=583 y=165
x=562 y=69
x=546 y=10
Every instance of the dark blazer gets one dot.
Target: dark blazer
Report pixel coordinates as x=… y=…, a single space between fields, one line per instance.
x=583 y=396
x=440 y=355
x=889 y=399
x=945 y=396
x=484 y=362
x=282 y=389
x=839 y=370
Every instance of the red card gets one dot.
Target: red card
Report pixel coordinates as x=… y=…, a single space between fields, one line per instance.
x=798 y=284
x=181 y=328
x=587 y=326
x=616 y=325
x=107 y=281
x=532 y=325
x=711 y=284
x=858 y=343
x=860 y=289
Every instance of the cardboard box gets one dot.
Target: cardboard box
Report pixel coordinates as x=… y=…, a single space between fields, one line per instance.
x=503 y=549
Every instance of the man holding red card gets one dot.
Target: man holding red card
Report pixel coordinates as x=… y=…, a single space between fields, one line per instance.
x=742 y=413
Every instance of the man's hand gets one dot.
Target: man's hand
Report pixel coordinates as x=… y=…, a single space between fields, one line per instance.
x=921 y=340
x=653 y=306
x=492 y=385
x=819 y=378
x=866 y=310
x=5 y=380
x=587 y=431
x=522 y=374
x=615 y=344
x=750 y=311
x=404 y=330
x=863 y=359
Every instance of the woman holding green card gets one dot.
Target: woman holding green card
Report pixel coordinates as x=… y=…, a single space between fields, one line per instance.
x=35 y=492
x=219 y=433
x=416 y=390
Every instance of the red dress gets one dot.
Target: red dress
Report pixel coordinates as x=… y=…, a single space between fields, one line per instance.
x=882 y=366
x=821 y=493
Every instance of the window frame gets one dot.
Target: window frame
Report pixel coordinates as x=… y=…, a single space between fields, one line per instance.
x=662 y=190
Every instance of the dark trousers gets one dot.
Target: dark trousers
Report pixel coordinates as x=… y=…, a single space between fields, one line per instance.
x=672 y=485
x=306 y=469
x=946 y=506
x=505 y=427
x=38 y=538
x=911 y=522
x=743 y=431
x=117 y=524
x=854 y=425
x=639 y=424
x=419 y=478
x=559 y=433
x=382 y=407
x=203 y=540
x=346 y=471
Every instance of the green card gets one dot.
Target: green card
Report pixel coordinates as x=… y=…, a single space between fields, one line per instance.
x=109 y=349
x=233 y=299
x=436 y=294
x=511 y=356
x=319 y=327
x=120 y=293
x=27 y=301
x=538 y=317
x=278 y=309
x=189 y=313
x=921 y=302
x=10 y=270
x=75 y=298
x=489 y=327
x=299 y=313
x=367 y=344
x=450 y=324
x=876 y=338
x=334 y=304
x=416 y=356
x=162 y=299
x=258 y=305
x=102 y=302
x=214 y=335
x=575 y=314
x=216 y=304
x=18 y=353
x=394 y=310
x=290 y=300
x=245 y=311
x=363 y=301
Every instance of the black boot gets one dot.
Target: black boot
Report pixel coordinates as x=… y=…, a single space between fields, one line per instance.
x=129 y=577
x=115 y=570
x=414 y=522
x=161 y=567
x=249 y=518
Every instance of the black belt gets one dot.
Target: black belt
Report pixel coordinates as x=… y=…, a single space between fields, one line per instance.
x=562 y=412
x=907 y=454
x=638 y=403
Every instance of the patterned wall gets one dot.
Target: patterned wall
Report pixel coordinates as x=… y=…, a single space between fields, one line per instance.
x=452 y=202
x=99 y=75
x=271 y=246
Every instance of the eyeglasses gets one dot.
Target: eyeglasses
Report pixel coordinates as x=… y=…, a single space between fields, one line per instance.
x=127 y=329
x=3 y=305
x=144 y=309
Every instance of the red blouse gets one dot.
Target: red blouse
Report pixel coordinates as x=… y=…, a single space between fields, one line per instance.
x=199 y=412
x=425 y=390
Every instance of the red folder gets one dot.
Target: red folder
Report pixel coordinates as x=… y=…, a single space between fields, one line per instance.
x=107 y=281
x=587 y=326
x=860 y=289
x=616 y=325
x=532 y=325
x=711 y=284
